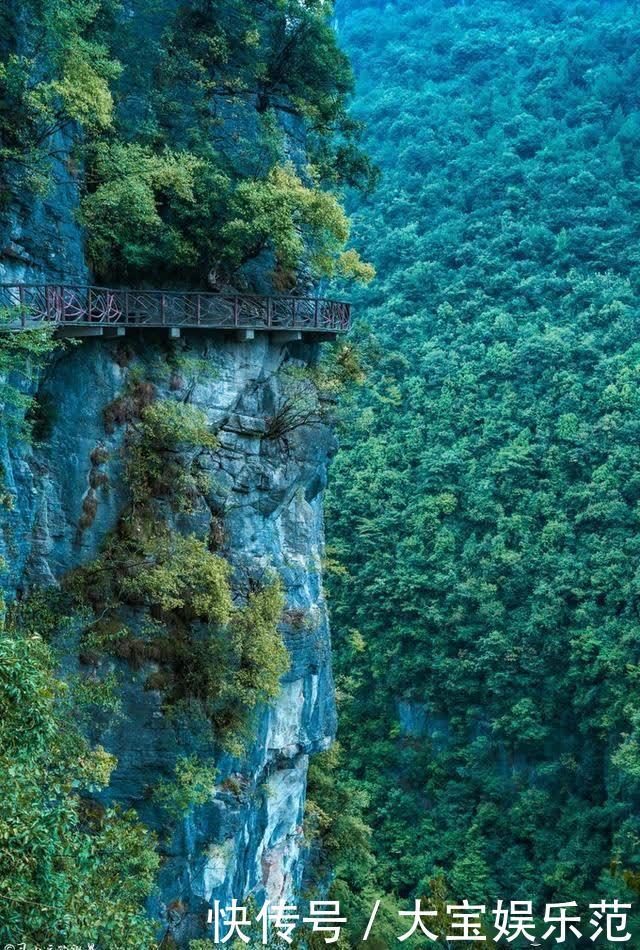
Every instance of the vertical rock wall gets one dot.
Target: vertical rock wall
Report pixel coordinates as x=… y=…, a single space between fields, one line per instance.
x=40 y=239
x=266 y=495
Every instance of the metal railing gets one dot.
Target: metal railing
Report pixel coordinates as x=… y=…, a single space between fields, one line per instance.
x=26 y=305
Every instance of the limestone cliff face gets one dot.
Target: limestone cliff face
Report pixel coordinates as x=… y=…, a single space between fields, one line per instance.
x=265 y=497
x=39 y=236
x=264 y=500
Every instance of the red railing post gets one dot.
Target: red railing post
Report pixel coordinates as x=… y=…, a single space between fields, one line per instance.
x=269 y=312
x=235 y=311
x=162 y=310
x=198 y=309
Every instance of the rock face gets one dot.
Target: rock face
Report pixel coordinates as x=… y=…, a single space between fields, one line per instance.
x=265 y=496
x=40 y=239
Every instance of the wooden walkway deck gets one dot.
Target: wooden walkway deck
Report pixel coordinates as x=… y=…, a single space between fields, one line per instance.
x=97 y=311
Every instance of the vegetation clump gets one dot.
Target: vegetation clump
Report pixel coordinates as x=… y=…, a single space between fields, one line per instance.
x=224 y=658
x=193 y=784
x=68 y=871
x=128 y=407
x=156 y=463
x=22 y=355
x=39 y=104
x=166 y=598
x=308 y=395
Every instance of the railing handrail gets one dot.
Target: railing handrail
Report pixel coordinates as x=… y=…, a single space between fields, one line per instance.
x=169 y=290
x=90 y=304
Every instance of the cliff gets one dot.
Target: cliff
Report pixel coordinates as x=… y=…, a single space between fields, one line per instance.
x=121 y=168
x=267 y=499
x=262 y=498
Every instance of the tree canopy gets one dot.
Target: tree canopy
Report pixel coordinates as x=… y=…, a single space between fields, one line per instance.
x=69 y=869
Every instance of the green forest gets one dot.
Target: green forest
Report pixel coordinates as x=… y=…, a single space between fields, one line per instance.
x=484 y=508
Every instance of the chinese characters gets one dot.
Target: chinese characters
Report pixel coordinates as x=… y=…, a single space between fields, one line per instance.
x=606 y=922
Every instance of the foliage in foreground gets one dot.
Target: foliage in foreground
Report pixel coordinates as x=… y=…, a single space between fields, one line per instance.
x=69 y=871
x=484 y=505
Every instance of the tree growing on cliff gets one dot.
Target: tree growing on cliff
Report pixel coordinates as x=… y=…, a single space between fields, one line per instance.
x=55 y=74
x=206 y=136
x=70 y=870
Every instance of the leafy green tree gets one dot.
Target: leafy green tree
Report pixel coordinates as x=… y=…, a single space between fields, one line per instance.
x=205 y=136
x=36 y=103
x=69 y=870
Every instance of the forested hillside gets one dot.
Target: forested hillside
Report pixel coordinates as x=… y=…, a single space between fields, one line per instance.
x=484 y=511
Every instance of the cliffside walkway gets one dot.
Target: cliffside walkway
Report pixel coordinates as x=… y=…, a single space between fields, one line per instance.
x=100 y=311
